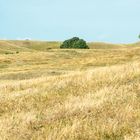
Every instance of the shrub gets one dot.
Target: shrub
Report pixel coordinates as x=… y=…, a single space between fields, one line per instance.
x=9 y=53
x=74 y=43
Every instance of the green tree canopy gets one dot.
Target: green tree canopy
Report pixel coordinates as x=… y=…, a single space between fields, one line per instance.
x=139 y=36
x=74 y=42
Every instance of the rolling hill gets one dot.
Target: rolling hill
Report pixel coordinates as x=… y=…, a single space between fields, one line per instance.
x=12 y=46
x=47 y=93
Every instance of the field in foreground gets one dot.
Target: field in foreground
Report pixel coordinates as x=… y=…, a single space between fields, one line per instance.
x=57 y=94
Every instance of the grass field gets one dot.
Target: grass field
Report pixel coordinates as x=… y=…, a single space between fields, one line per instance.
x=52 y=94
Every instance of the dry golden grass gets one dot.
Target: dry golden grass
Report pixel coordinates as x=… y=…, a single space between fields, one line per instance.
x=70 y=95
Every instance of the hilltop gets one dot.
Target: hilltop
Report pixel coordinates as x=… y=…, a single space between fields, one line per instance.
x=28 y=45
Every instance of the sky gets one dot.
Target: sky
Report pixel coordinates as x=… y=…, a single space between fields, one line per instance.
x=115 y=21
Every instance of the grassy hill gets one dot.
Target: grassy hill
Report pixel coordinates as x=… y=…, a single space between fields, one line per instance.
x=28 y=45
x=101 y=45
x=57 y=94
x=10 y=47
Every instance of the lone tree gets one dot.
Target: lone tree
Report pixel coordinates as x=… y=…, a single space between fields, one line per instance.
x=74 y=43
x=139 y=36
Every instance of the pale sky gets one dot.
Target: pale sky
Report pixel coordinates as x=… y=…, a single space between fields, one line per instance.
x=116 y=21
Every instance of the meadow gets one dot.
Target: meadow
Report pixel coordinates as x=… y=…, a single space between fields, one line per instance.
x=47 y=93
